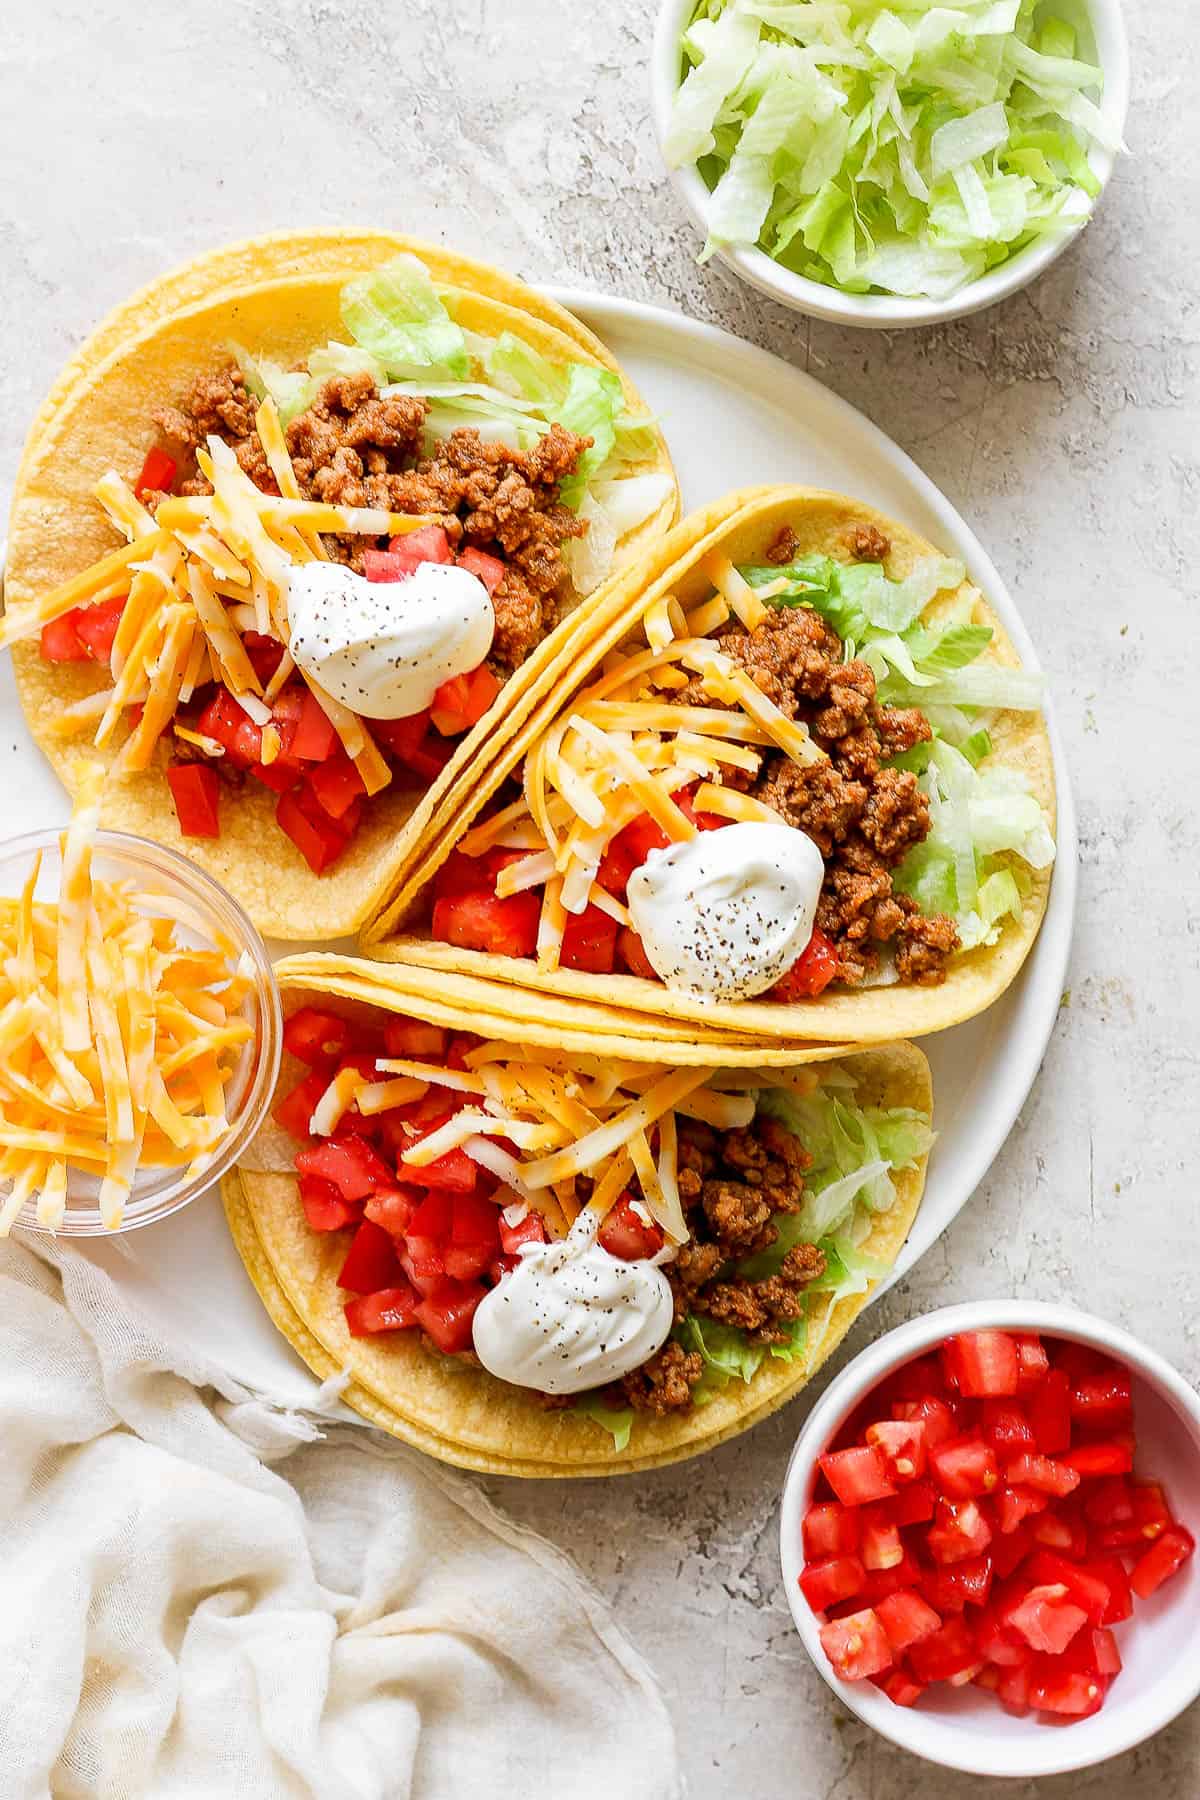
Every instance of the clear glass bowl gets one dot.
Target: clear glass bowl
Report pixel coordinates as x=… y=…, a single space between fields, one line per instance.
x=157 y=1193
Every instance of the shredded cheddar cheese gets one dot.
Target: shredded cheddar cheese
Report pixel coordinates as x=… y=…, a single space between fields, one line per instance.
x=118 y=1040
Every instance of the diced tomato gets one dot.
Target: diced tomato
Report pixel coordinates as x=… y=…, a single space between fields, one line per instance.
x=348 y=1162
x=1084 y=1585
x=1009 y=1549
x=998 y=1643
x=945 y=1653
x=882 y=1582
x=1093 y=1652
x=632 y=953
x=857 y=1475
x=901 y=1444
x=1032 y=1359
x=589 y=941
x=488 y=569
x=1103 y=1400
x=628 y=851
x=414 y=1039
x=959 y=1531
x=371 y=1261
x=391 y=1309
x=462 y=701
x=1006 y=1428
x=952 y=1587
x=833 y=1578
x=1150 y=1512
x=899 y=1687
x=60 y=642
x=1046 y=1617
x=336 y=784
x=1042 y=1473
x=313 y=736
x=916 y=1380
x=96 y=627
x=453 y=1172
x=1049 y=1408
x=428 y=543
x=906 y=1618
x=811 y=973
x=323 y=1205
x=1069 y=1693
x=265 y=653
x=626 y=1234
x=881 y=1544
x=403 y=738
x=828 y=1528
x=1107 y=1458
x=480 y=921
x=531 y=1230
x=475 y=1221
x=226 y=720
x=385 y=565
x=433 y=1218
x=981 y=1363
x=393 y=1208
x=964 y=1466
x=913 y=1504
x=447 y=1319
x=1013 y=1504
x=1054 y=1532
x=1013 y=1691
x=934 y=1413
x=1120 y=1594
x=1165 y=1557
x=296 y=1109
x=422 y=1262
x=856 y=1646
x=195 y=791
x=158 y=473
x=314 y=1035
x=319 y=839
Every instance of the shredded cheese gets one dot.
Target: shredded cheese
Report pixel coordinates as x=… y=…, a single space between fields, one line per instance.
x=117 y=1040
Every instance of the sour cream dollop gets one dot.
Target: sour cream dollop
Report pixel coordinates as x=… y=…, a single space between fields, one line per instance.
x=724 y=914
x=570 y=1316
x=383 y=648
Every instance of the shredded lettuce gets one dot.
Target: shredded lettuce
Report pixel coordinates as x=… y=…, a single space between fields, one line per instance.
x=981 y=812
x=291 y=389
x=904 y=148
x=617 y=1421
x=394 y=313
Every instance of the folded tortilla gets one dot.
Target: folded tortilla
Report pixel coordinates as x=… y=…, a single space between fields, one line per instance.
x=742 y=526
x=442 y=1404
x=278 y=297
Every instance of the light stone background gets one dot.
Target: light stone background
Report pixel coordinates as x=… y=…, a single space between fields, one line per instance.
x=1063 y=424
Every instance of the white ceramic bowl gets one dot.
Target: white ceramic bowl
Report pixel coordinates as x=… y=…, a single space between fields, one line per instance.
x=965 y=1728
x=1102 y=19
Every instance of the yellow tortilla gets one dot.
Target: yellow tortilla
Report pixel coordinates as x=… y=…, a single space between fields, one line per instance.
x=744 y=528
x=98 y=417
x=449 y=1408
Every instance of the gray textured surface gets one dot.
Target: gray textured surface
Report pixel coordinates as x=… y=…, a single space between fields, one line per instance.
x=1064 y=425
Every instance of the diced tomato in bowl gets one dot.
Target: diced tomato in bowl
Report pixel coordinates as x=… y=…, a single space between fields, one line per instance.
x=1018 y=1563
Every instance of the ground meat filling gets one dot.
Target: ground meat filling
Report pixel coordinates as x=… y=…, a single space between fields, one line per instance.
x=863 y=817
x=734 y=1186
x=354 y=447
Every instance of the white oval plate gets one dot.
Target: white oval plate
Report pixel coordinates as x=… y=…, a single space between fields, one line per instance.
x=734 y=416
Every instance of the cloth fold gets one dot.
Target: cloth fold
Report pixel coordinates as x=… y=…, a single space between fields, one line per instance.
x=204 y=1594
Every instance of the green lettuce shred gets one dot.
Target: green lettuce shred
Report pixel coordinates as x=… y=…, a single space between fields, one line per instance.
x=905 y=148
x=617 y=1421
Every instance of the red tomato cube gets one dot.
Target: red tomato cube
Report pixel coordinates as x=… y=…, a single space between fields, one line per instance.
x=856 y=1474
x=1040 y=1472
x=1049 y=1409
x=1083 y=1583
x=195 y=791
x=371 y=1261
x=913 y=1504
x=1165 y=1557
x=959 y=1531
x=980 y=1363
x=951 y=1588
x=964 y=1467
x=1015 y=1504
x=1006 y=1428
x=1032 y=1360
x=446 y=1318
x=944 y=1654
x=906 y=1618
x=391 y=1309
x=295 y=1110
x=1103 y=1400
x=1107 y=1458
x=899 y=1687
x=832 y=1579
x=934 y=1414
x=323 y=1206
x=393 y=1208
x=901 y=1444
x=881 y=1545
x=314 y=1035
x=1046 y=1617
x=1053 y=1690
x=480 y=921
x=348 y=1162
x=856 y=1646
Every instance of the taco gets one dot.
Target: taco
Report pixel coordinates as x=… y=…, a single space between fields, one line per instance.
x=802 y=789
x=539 y=1260
x=364 y=486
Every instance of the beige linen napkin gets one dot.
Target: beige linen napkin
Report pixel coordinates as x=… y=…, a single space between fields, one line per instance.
x=351 y=1622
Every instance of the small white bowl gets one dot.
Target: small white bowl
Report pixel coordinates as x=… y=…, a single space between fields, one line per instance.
x=887 y=311
x=965 y=1728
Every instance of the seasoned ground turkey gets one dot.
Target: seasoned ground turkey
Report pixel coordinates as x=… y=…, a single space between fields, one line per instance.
x=864 y=818
x=733 y=1186
x=353 y=447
